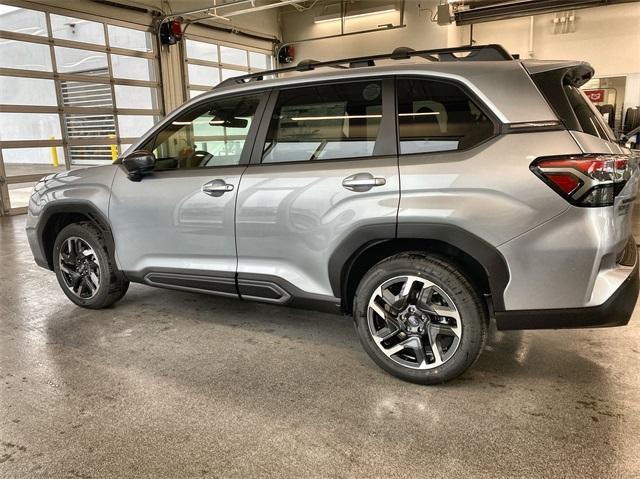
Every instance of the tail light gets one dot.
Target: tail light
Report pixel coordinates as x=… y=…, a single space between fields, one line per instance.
x=585 y=180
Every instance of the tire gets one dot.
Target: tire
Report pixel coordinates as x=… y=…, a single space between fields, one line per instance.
x=447 y=311
x=631 y=119
x=85 y=270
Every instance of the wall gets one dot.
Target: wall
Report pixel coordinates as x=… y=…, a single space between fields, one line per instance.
x=607 y=37
x=419 y=32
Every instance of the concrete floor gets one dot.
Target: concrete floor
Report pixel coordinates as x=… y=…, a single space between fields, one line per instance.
x=170 y=384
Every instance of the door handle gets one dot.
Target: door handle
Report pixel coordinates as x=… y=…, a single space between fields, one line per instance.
x=216 y=187
x=362 y=182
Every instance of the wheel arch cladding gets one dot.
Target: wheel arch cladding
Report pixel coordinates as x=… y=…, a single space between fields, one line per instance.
x=364 y=247
x=54 y=217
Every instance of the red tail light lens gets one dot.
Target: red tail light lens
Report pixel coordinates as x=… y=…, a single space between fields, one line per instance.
x=585 y=180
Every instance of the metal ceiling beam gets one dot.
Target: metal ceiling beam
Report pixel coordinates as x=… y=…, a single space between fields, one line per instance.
x=215 y=8
x=212 y=7
x=522 y=8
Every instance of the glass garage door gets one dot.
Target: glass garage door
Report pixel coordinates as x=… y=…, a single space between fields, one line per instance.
x=209 y=63
x=75 y=91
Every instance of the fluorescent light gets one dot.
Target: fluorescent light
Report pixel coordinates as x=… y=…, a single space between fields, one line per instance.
x=337 y=117
x=198 y=121
x=361 y=13
x=358 y=117
x=424 y=113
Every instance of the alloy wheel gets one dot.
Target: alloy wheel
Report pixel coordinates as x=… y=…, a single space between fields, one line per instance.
x=414 y=322
x=79 y=267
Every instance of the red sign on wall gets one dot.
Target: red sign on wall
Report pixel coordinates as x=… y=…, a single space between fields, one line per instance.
x=596 y=96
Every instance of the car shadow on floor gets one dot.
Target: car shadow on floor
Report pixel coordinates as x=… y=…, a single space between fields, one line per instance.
x=149 y=313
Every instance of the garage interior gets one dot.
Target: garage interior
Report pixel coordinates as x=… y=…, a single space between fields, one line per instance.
x=176 y=384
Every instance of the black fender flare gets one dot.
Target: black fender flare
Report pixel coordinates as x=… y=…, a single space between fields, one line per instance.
x=82 y=207
x=361 y=239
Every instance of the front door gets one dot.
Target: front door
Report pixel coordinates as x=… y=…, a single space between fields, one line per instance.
x=175 y=227
x=324 y=165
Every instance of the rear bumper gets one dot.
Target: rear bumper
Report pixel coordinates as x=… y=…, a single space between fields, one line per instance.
x=615 y=311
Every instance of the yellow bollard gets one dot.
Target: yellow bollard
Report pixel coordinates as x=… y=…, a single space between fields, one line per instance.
x=114 y=150
x=54 y=154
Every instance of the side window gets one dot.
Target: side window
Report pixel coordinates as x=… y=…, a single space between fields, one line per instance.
x=324 y=122
x=438 y=116
x=212 y=134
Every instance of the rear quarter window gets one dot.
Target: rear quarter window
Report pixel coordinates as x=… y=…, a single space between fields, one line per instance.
x=436 y=116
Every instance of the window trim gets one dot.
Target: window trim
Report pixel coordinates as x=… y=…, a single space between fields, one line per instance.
x=387 y=127
x=497 y=124
x=148 y=143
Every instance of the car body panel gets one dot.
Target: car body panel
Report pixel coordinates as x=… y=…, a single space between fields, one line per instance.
x=291 y=217
x=483 y=190
x=88 y=187
x=165 y=221
x=591 y=144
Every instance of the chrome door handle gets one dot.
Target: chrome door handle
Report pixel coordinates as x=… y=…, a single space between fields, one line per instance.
x=362 y=182
x=216 y=187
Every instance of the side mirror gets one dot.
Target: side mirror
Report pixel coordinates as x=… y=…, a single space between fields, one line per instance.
x=138 y=164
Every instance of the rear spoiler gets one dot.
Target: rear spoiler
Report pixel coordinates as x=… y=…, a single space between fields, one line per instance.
x=552 y=78
x=568 y=72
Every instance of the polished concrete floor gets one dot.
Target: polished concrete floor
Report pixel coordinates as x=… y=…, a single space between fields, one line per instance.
x=171 y=384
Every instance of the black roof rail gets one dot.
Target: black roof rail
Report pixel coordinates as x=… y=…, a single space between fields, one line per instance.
x=491 y=52
x=306 y=65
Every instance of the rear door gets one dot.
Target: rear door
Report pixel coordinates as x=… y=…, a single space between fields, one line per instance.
x=324 y=166
x=175 y=227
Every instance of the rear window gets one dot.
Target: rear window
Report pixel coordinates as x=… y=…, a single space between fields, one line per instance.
x=570 y=104
x=588 y=116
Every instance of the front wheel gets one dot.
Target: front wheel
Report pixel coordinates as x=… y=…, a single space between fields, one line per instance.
x=85 y=270
x=419 y=318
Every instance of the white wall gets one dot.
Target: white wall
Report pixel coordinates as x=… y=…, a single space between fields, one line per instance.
x=607 y=37
x=419 y=32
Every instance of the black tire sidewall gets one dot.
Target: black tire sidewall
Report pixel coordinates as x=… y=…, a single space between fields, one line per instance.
x=87 y=234
x=445 y=276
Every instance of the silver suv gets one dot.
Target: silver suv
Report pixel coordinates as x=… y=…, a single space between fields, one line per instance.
x=423 y=195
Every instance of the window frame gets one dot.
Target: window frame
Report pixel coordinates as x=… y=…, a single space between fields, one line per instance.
x=149 y=142
x=387 y=129
x=497 y=124
x=217 y=64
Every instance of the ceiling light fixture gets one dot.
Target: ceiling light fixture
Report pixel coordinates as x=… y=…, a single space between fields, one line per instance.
x=332 y=17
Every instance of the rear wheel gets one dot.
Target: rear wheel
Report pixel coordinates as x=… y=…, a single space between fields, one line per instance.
x=419 y=318
x=85 y=270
